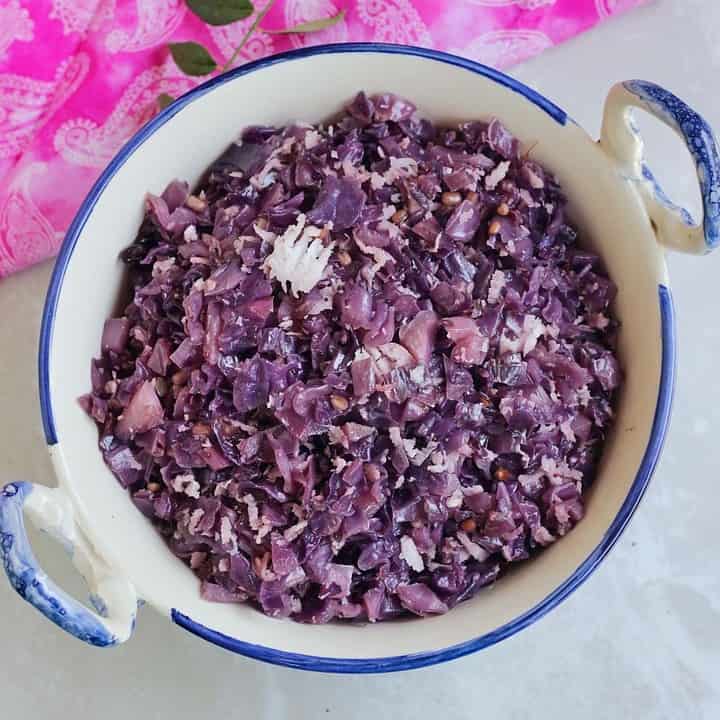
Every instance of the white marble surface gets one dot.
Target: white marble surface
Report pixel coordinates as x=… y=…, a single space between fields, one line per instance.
x=640 y=639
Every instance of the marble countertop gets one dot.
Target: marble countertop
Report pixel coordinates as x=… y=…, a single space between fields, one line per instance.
x=641 y=638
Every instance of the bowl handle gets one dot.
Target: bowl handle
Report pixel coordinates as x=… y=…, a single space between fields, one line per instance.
x=620 y=137
x=50 y=510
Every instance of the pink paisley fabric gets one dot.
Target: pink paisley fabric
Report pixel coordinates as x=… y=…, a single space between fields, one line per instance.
x=79 y=77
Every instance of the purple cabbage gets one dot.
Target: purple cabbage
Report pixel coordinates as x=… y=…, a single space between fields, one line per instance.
x=388 y=442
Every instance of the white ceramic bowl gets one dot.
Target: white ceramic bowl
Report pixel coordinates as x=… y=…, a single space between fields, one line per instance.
x=613 y=199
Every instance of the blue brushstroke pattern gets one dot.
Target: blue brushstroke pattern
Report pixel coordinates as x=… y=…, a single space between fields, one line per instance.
x=29 y=580
x=701 y=143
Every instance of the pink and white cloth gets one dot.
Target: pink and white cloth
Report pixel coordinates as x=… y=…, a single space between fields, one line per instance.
x=79 y=77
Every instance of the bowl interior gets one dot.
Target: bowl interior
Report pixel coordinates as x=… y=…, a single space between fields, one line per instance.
x=313 y=88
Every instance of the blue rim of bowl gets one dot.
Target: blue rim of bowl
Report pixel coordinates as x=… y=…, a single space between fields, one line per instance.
x=399 y=662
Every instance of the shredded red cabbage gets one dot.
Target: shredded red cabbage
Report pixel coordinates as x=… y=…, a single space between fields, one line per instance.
x=365 y=366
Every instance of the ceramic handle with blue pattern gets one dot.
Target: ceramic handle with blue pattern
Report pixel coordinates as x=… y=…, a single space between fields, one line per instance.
x=50 y=510
x=620 y=136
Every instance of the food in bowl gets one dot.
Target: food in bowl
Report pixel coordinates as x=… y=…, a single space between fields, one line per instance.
x=365 y=366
